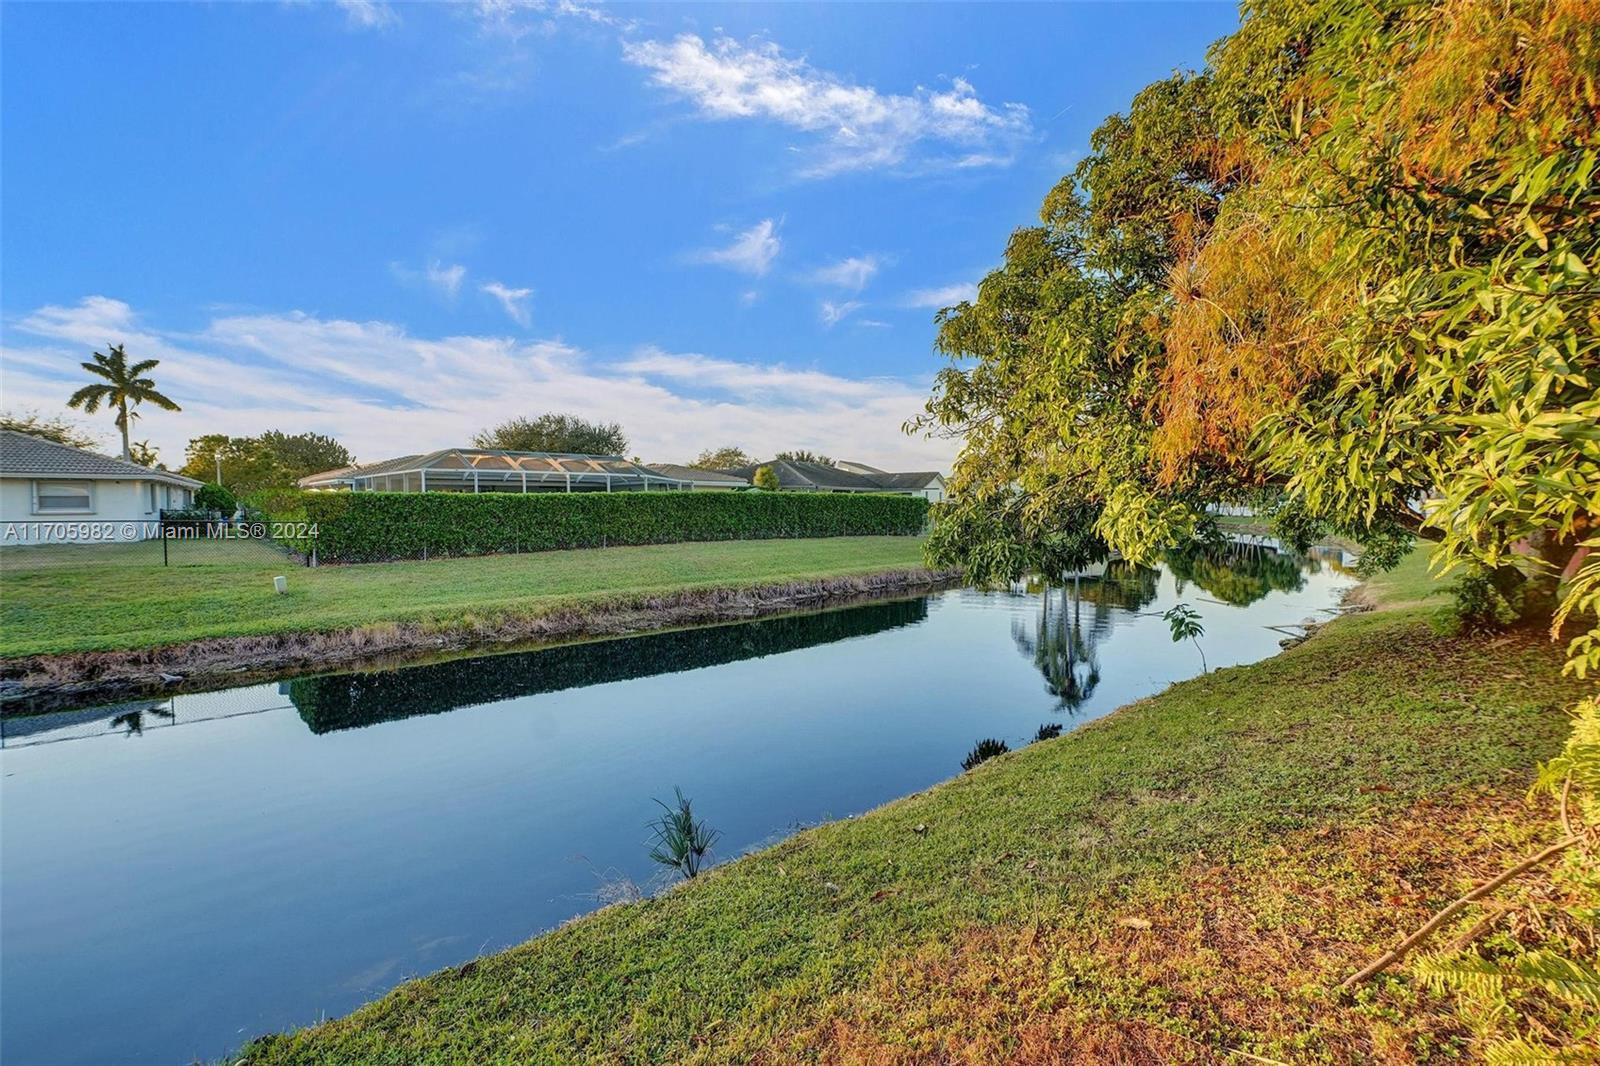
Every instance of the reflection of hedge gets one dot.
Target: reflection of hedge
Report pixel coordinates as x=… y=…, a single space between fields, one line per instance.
x=368 y=526
x=347 y=701
x=1239 y=574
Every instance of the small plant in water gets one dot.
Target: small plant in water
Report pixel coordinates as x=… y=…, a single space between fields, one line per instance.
x=681 y=842
x=1184 y=621
x=987 y=748
x=1048 y=731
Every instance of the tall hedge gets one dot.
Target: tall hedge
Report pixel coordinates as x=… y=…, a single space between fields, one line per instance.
x=358 y=527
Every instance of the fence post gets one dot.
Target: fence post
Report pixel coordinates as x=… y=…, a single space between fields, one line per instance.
x=161 y=526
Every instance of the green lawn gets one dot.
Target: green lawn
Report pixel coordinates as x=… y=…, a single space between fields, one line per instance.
x=1185 y=880
x=82 y=598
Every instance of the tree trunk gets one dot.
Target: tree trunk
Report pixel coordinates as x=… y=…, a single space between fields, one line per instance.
x=122 y=424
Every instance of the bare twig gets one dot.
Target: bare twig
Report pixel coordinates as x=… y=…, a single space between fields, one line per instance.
x=1399 y=951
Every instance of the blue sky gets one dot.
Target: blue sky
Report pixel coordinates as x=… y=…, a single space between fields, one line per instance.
x=396 y=223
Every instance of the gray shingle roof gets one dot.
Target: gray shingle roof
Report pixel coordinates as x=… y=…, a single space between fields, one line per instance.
x=695 y=473
x=24 y=455
x=798 y=475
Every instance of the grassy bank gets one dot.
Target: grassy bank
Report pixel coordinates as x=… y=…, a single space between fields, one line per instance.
x=88 y=598
x=1184 y=881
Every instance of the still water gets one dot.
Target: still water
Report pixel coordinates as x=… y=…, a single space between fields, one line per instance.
x=179 y=875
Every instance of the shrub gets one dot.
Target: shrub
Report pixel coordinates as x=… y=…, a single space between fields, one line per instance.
x=1048 y=731
x=987 y=749
x=371 y=526
x=1487 y=600
x=682 y=843
x=766 y=479
x=210 y=497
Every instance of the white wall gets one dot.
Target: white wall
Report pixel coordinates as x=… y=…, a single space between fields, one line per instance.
x=120 y=511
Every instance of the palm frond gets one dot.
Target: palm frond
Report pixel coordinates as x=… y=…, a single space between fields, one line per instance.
x=89 y=397
x=1567 y=979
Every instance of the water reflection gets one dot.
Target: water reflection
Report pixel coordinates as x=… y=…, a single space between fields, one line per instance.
x=1062 y=643
x=131 y=718
x=350 y=701
x=1239 y=573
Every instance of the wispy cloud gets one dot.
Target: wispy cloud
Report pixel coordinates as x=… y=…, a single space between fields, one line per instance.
x=943 y=296
x=385 y=392
x=447 y=279
x=856 y=126
x=368 y=14
x=515 y=301
x=518 y=18
x=833 y=313
x=851 y=273
x=751 y=252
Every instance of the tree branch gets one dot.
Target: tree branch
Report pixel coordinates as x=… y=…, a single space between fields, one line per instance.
x=1400 y=950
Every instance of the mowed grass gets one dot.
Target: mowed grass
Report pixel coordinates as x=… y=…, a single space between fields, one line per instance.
x=86 y=598
x=1183 y=881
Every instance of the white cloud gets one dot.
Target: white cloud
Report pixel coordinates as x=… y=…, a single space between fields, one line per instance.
x=857 y=127
x=833 y=313
x=517 y=18
x=852 y=273
x=368 y=14
x=751 y=252
x=447 y=279
x=384 y=392
x=515 y=301
x=944 y=296
x=872 y=323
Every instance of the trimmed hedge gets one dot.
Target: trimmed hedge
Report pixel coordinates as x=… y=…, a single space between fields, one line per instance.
x=359 y=527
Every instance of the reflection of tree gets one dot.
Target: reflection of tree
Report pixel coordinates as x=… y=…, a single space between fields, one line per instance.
x=1062 y=647
x=1124 y=585
x=132 y=719
x=1239 y=574
x=348 y=701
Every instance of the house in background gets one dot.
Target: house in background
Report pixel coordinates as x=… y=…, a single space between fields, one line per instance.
x=43 y=483
x=796 y=476
x=700 y=478
x=495 y=470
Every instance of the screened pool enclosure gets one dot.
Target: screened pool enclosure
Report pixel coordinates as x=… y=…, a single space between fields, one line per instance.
x=495 y=470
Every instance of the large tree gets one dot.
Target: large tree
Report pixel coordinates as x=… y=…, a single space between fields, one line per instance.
x=122 y=389
x=1346 y=273
x=246 y=464
x=555 y=433
x=725 y=458
x=305 y=453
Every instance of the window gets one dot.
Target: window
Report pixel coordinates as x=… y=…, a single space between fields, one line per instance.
x=62 y=497
x=151 y=505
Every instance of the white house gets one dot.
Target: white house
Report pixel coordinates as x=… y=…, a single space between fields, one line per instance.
x=52 y=493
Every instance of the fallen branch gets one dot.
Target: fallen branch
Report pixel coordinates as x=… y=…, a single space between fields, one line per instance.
x=1400 y=950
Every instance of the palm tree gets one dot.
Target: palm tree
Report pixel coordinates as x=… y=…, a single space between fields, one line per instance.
x=126 y=389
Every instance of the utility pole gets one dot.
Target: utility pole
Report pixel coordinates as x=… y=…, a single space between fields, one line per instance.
x=219 y=466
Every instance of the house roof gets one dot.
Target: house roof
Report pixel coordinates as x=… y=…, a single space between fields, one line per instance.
x=463 y=465
x=793 y=474
x=338 y=473
x=698 y=475
x=24 y=455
